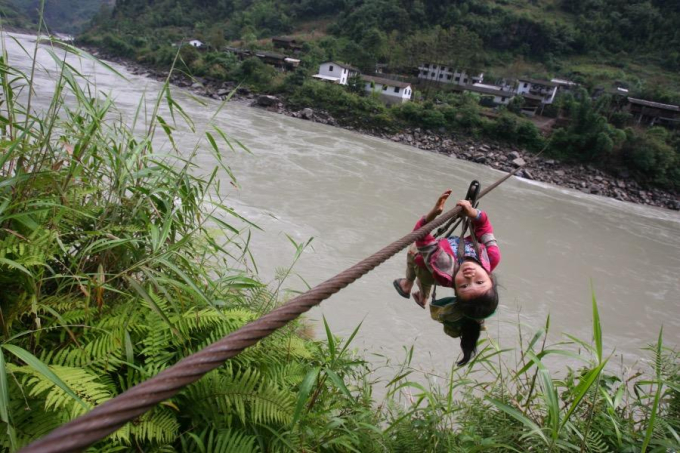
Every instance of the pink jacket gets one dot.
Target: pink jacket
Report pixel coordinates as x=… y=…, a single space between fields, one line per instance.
x=439 y=256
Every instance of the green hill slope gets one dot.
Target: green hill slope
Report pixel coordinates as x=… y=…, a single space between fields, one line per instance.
x=65 y=16
x=595 y=41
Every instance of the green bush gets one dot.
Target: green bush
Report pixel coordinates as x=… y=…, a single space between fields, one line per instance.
x=348 y=108
x=117 y=46
x=528 y=135
x=256 y=73
x=649 y=155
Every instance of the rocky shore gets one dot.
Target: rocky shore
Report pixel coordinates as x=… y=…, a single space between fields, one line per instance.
x=501 y=156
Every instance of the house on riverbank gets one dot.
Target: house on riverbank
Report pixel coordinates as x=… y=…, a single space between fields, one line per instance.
x=389 y=91
x=334 y=72
x=545 y=89
x=447 y=74
x=491 y=95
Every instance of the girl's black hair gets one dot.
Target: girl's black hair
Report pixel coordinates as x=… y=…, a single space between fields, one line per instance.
x=476 y=309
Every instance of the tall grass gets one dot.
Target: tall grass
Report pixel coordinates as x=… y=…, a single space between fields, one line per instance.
x=116 y=261
x=524 y=405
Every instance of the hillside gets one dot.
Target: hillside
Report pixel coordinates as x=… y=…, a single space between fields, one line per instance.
x=64 y=16
x=13 y=17
x=593 y=41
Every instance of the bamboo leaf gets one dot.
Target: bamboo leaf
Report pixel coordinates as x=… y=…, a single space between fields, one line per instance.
x=657 y=395
x=305 y=390
x=597 y=328
x=520 y=417
x=38 y=366
x=339 y=383
x=582 y=388
x=330 y=338
x=4 y=391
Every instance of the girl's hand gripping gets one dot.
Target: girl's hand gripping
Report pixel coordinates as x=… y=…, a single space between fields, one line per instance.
x=468 y=210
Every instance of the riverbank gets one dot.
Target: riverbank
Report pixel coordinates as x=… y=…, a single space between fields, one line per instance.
x=495 y=154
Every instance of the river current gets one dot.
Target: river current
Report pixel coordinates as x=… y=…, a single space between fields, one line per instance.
x=355 y=194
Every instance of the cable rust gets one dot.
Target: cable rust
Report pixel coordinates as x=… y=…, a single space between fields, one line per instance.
x=113 y=414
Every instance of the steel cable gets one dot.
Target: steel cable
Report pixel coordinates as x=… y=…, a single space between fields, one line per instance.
x=113 y=414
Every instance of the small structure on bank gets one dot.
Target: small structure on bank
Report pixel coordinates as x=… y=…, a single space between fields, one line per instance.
x=389 y=91
x=287 y=42
x=654 y=113
x=197 y=44
x=277 y=60
x=334 y=72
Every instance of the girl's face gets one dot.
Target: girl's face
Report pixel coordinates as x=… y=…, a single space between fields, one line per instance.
x=472 y=280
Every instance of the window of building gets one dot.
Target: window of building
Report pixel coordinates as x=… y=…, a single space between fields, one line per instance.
x=344 y=71
x=457 y=79
x=384 y=87
x=441 y=76
x=396 y=89
x=526 y=85
x=448 y=77
x=502 y=99
x=330 y=68
x=433 y=74
x=464 y=80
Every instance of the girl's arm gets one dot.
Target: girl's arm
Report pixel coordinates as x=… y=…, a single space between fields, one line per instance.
x=429 y=217
x=483 y=232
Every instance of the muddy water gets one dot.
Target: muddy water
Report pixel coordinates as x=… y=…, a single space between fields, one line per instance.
x=354 y=194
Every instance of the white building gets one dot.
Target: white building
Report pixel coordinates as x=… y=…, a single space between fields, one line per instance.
x=543 y=88
x=390 y=91
x=335 y=72
x=447 y=74
x=196 y=43
x=496 y=94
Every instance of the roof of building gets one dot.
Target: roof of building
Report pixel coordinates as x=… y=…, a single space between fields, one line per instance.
x=538 y=82
x=388 y=82
x=342 y=65
x=275 y=55
x=238 y=50
x=486 y=90
x=656 y=105
x=323 y=77
x=564 y=82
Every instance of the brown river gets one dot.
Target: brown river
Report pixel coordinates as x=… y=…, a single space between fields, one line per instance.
x=354 y=194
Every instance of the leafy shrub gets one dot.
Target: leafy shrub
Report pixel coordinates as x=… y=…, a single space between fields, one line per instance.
x=256 y=73
x=117 y=46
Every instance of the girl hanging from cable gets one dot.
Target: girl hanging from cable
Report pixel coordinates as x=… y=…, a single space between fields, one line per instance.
x=465 y=265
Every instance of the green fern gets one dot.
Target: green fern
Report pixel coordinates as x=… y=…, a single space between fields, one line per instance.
x=223 y=441
x=243 y=396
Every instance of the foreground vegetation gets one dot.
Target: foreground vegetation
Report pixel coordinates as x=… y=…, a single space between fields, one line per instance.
x=117 y=261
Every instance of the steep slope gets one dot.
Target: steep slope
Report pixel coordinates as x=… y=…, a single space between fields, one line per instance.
x=65 y=16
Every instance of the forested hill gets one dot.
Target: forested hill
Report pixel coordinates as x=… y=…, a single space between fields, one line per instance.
x=537 y=29
x=65 y=16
